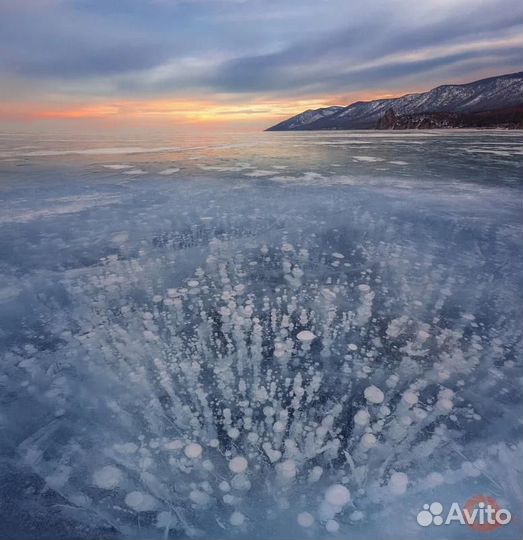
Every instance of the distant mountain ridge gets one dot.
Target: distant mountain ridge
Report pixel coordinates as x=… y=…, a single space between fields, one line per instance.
x=460 y=103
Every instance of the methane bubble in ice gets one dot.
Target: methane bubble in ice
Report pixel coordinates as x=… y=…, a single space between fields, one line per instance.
x=193 y=450
x=141 y=502
x=362 y=418
x=368 y=440
x=332 y=526
x=306 y=336
x=337 y=495
x=237 y=519
x=398 y=483
x=305 y=519
x=238 y=464
x=107 y=477
x=373 y=394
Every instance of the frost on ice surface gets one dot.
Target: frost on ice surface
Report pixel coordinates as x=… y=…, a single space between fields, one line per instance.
x=216 y=358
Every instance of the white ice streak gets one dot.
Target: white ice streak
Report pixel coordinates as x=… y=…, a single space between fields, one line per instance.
x=169 y=171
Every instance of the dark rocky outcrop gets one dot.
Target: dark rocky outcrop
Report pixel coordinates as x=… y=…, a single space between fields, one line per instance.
x=508 y=118
x=388 y=120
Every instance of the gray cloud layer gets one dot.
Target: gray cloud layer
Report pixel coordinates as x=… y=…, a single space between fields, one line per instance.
x=159 y=47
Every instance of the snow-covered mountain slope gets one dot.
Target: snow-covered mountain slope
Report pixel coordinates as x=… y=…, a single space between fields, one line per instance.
x=484 y=95
x=308 y=117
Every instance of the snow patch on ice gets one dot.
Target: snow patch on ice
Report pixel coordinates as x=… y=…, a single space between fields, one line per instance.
x=168 y=171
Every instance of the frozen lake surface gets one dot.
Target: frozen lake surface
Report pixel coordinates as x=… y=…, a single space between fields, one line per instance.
x=274 y=335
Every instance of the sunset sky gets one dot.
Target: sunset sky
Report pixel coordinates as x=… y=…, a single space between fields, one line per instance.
x=238 y=62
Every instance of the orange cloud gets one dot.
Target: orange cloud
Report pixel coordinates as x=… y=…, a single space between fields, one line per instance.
x=96 y=111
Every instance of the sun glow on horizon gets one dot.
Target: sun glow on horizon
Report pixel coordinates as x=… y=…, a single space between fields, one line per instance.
x=182 y=110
